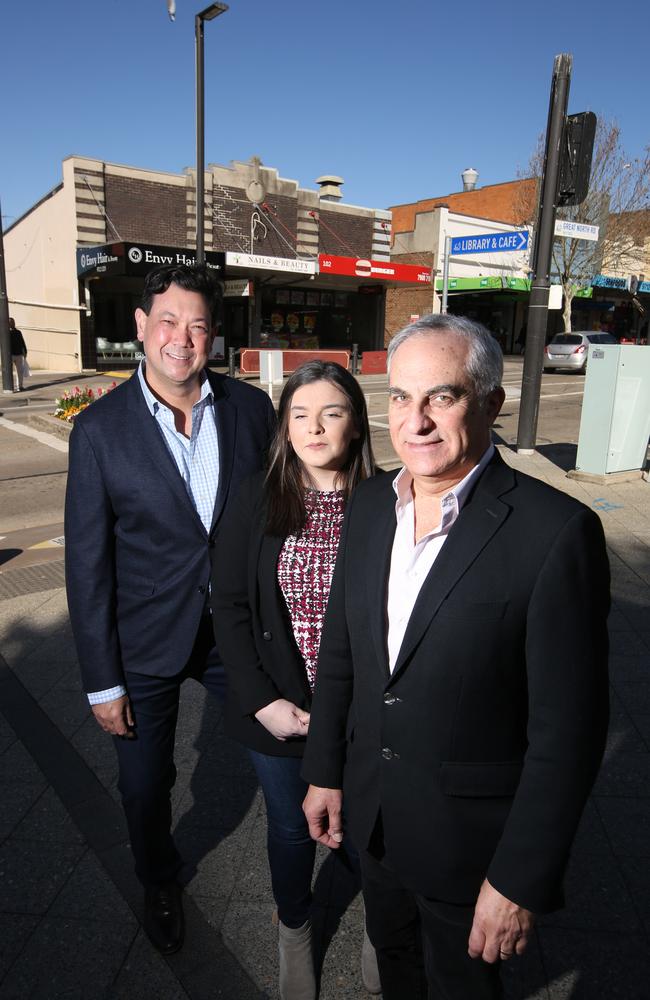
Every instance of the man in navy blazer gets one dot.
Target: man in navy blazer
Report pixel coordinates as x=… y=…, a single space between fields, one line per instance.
x=461 y=701
x=153 y=464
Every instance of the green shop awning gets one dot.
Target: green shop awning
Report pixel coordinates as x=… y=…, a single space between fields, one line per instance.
x=484 y=284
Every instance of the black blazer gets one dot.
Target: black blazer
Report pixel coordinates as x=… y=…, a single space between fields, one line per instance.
x=482 y=745
x=137 y=553
x=252 y=626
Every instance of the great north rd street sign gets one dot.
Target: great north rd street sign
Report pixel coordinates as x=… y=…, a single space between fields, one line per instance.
x=490 y=243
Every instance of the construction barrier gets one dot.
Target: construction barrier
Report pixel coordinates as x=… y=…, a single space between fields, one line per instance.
x=373 y=363
x=249 y=359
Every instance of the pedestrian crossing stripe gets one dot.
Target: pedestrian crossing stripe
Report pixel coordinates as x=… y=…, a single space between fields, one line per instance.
x=51 y=543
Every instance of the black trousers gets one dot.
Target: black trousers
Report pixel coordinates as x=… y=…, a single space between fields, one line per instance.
x=421 y=943
x=146 y=763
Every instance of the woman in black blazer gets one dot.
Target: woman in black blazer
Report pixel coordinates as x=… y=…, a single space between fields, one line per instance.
x=273 y=569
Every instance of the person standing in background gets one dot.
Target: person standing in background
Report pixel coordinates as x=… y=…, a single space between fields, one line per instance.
x=18 y=353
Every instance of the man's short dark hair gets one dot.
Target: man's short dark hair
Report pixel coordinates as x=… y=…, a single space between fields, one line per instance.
x=195 y=278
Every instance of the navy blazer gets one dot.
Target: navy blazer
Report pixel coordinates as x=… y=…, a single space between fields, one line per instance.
x=481 y=746
x=138 y=557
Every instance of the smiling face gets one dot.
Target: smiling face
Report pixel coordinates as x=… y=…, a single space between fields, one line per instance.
x=438 y=426
x=320 y=429
x=176 y=335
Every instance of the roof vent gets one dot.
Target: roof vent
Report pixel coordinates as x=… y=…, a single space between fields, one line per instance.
x=470 y=177
x=330 y=187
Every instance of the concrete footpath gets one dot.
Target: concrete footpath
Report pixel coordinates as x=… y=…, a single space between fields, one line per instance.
x=69 y=903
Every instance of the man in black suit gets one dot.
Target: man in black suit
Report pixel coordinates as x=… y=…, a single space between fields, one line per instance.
x=153 y=464
x=461 y=701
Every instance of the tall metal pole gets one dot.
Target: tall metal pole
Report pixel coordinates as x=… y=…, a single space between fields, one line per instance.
x=200 y=141
x=445 y=274
x=214 y=10
x=544 y=234
x=5 y=336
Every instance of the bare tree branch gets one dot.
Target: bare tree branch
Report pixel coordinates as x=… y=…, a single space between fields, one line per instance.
x=618 y=203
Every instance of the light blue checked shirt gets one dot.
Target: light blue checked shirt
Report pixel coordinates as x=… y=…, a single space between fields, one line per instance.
x=197 y=460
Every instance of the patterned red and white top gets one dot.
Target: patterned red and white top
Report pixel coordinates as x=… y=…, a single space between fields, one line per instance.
x=305 y=568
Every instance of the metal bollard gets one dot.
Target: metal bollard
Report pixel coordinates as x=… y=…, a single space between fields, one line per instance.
x=231 y=362
x=354 y=360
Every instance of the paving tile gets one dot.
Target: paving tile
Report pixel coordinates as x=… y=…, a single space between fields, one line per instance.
x=49 y=821
x=591 y=838
x=146 y=975
x=15 y=930
x=624 y=774
x=67 y=710
x=590 y=966
x=17 y=766
x=31 y=875
x=69 y=958
x=597 y=898
x=251 y=937
x=89 y=894
x=17 y=800
x=219 y=862
x=215 y=800
x=627 y=823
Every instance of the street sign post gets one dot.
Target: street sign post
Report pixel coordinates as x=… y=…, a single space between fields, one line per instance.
x=576 y=230
x=458 y=246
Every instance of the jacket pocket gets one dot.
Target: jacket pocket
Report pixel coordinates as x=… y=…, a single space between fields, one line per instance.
x=490 y=779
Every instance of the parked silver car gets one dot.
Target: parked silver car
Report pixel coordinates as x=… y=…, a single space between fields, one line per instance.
x=571 y=350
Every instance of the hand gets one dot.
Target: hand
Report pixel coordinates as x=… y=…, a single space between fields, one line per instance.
x=115 y=717
x=322 y=809
x=283 y=719
x=500 y=928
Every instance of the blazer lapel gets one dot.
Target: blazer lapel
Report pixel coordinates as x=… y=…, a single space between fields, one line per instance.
x=380 y=544
x=154 y=445
x=225 y=416
x=481 y=517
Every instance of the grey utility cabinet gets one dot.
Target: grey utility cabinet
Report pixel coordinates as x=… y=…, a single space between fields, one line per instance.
x=615 y=420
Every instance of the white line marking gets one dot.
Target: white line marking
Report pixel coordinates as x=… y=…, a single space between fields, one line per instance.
x=378 y=423
x=40 y=436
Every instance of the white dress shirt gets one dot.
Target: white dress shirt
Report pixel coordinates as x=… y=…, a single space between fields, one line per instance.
x=410 y=562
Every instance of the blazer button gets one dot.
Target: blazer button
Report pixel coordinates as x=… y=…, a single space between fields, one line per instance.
x=267 y=636
x=389 y=699
x=387 y=753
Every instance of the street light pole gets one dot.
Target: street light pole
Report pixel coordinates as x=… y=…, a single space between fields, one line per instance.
x=205 y=15
x=544 y=236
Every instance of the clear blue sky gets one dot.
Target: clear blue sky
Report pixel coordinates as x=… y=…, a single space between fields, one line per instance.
x=396 y=97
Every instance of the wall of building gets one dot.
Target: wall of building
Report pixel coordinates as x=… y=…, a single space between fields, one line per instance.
x=42 y=280
x=100 y=203
x=510 y=202
x=402 y=303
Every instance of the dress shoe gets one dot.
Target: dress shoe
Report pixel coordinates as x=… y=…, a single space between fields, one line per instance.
x=163 y=917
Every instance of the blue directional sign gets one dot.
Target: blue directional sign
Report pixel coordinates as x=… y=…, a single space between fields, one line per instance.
x=490 y=243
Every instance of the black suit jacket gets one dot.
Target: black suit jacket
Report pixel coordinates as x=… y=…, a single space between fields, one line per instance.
x=482 y=745
x=254 y=635
x=137 y=553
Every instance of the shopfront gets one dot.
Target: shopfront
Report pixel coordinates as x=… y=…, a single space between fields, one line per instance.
x=500 y=304
x=325 y=302
x=111 y=279
x=329 y=302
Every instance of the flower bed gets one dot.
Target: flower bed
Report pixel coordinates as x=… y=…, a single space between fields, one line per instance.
x=70 y=404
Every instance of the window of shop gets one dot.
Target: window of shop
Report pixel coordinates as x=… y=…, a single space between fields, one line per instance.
x=309 y=319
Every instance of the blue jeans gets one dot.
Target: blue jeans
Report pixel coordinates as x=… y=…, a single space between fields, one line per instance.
x=290 y=848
